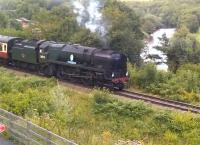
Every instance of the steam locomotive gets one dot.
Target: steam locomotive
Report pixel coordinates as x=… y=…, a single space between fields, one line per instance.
x=91 y=66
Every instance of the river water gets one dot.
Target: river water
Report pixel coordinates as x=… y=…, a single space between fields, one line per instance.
x=150 y=50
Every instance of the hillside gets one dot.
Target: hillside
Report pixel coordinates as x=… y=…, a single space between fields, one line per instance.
x=95 y=118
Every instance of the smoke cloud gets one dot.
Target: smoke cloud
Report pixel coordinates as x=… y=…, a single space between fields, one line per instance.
x=89 y=15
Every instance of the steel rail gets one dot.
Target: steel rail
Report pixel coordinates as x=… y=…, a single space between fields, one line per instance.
x=160 y=101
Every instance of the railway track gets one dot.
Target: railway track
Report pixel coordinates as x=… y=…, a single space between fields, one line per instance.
x=138 y=96
x=160 y=101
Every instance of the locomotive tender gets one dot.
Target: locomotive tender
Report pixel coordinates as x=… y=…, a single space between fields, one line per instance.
x=92 y=66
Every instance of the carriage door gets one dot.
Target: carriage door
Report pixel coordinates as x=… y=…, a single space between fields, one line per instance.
x=3 y=50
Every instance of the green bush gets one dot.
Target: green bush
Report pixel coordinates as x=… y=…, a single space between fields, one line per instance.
x=107 y=105
x=182 y=86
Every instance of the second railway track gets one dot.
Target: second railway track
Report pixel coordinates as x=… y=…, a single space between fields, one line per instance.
x=160 y=101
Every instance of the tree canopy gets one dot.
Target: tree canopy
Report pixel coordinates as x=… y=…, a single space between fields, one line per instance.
x=182 y=49
x=125 y=32
x=56 y=20
x=172 y=13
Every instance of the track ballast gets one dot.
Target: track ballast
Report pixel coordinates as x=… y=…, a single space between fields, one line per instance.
x=160 y=101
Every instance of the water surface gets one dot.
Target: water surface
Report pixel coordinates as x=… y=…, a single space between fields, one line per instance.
x=150 y=50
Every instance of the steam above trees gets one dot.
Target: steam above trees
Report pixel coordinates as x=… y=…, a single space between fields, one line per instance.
x=89 y=15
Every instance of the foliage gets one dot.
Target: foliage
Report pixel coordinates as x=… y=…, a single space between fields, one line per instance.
x=50 y=20
x=171 y=13
x=182 y=49
x=182 y=86
x=95 y=118
x=150 y=23
x=125 y=30
x=108 y=106
x=4 y=21
x=15 y=33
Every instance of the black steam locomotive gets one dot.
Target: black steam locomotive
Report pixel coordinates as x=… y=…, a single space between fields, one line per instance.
x=91 y=66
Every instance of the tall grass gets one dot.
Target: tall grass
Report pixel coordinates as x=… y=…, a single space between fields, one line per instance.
x=97 y=118
x=183 y=86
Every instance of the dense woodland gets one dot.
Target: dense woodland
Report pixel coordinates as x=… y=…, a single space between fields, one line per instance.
x=128 y=25
x=168 y=13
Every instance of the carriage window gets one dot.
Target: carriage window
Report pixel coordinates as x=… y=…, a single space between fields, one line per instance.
x=1 y=47
x=5 y=48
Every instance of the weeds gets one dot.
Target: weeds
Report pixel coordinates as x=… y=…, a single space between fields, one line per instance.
x=97 y=118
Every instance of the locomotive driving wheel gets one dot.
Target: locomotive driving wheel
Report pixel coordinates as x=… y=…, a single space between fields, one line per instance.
x=59 y=73
x=48 y=70
x=119 y=86
x=87 y=82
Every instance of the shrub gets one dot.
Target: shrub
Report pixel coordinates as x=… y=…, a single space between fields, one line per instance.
x=107 y=105
x=182 y=86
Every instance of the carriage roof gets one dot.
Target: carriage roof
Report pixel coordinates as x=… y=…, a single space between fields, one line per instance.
x=6 y=39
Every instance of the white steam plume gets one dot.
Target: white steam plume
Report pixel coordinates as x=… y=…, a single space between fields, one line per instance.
x=89 y=15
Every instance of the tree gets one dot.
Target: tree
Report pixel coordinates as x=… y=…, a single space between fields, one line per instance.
x=60 y=24
x=182 y=49
x=150 y=23
x=191 y=21
x=3 y=21
x=124 y=30
x=15 y=25
x=86 y=38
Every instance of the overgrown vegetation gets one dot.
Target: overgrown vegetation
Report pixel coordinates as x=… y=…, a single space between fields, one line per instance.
x=168 y=13
x=183 y=50
x=95 y=118
x=184 y=85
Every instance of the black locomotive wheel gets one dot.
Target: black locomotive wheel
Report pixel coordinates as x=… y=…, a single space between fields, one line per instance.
x=87 y=82
x=59 y=74
x=48 y=70
x=84 y=81
x=99 y=84
x=118 y=86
